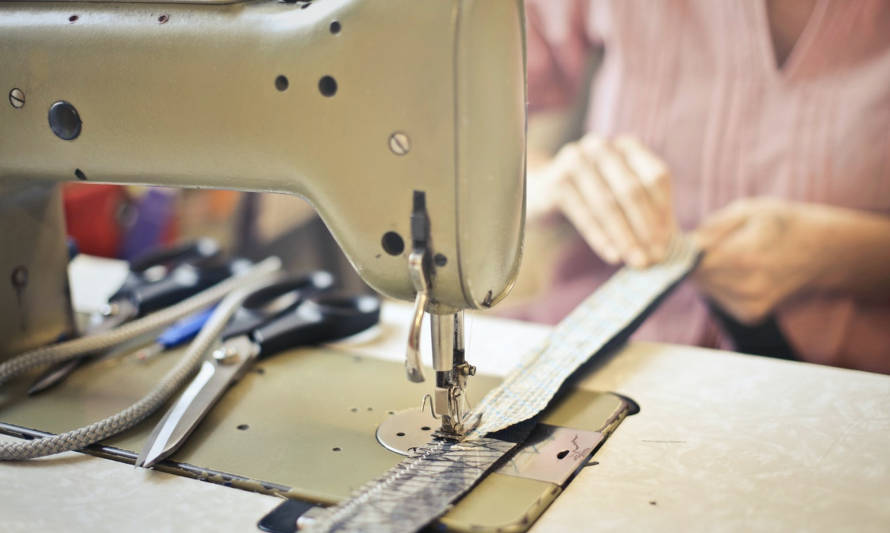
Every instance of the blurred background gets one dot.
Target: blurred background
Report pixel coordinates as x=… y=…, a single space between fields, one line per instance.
x=125 y=222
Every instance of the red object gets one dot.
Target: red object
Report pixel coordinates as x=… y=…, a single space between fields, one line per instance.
x=92 y=215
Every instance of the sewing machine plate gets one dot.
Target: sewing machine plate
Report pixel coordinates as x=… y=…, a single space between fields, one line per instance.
x=303 y=425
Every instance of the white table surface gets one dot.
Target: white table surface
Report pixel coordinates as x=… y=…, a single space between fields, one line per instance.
x=723 y=442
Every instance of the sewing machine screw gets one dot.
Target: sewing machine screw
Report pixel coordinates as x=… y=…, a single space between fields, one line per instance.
x=19 y=277
x=399 y=143
x=226 y=355
x=17 y=98
x=64 y=120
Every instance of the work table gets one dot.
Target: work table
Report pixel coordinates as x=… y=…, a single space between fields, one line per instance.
x=722 y=442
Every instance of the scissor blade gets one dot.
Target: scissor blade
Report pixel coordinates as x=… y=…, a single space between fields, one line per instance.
x=188 y=411
x=59 y=372
x=55 y=374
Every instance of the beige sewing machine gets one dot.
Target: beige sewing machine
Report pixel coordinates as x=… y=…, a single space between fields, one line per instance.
x=402 y=122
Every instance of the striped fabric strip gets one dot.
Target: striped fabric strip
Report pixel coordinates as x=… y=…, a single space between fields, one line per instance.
x=416 y=491
x=421 y=488
x=612 y=309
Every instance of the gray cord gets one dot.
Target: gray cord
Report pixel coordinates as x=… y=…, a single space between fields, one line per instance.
x=64 y=351
x=261 y=274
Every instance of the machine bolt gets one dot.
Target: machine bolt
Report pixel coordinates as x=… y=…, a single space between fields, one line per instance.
x=17 y=98
x=226 y=355
x=399 y=143
x=19 y=277
x=65 y=121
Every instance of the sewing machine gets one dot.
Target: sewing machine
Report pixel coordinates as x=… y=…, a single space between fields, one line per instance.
x=402 y=122
x=358 y=105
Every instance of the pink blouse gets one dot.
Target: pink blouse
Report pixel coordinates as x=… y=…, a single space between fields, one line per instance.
x=697 y=81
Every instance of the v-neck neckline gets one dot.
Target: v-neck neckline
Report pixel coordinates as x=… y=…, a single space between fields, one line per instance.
x=798 y=51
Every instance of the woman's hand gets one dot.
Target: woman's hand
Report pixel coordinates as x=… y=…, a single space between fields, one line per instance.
x=760 y=252
x=617 y=194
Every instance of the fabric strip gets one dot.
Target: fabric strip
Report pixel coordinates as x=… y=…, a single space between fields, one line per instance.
x=421 y=488
x=611 y=311
x=416 y=491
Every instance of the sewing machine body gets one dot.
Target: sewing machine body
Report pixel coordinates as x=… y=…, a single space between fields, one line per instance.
x=351 y=104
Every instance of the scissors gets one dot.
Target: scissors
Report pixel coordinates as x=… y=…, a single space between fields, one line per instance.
x=293 y=312
x=182 y=331
x=156 y=280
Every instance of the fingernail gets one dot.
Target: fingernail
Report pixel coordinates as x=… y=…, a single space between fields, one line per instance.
x=637 y=258
x=610 y=256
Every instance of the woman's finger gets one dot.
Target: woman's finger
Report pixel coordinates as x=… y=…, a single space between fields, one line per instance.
x=719 y=226
x=601 y=202
x=652 y=171
x=656 y=180
x=635 y=201
x=584 y=220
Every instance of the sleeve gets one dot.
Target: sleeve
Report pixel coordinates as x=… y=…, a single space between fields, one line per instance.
x=557 y=45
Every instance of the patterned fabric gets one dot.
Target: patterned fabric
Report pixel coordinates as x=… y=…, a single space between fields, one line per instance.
x=420 y=489
x=416 y=491
x=605 y=315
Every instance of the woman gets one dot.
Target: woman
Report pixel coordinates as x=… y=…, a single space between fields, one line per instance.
x=761 y=127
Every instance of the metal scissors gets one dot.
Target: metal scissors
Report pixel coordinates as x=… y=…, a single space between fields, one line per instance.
x=156 y=280
x=293 y=312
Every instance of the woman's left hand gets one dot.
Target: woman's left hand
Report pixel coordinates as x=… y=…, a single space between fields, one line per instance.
x=758 y=253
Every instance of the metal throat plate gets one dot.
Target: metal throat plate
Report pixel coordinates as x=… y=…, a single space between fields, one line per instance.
x=550 y=453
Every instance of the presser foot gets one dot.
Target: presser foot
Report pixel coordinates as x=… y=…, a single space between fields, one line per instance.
x=452 y=406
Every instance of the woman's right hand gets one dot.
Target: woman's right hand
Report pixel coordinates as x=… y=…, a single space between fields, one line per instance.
x=617 y=194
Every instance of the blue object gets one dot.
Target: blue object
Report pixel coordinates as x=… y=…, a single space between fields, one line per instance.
x=73 y=250
x=184 y=329
x=146 y=229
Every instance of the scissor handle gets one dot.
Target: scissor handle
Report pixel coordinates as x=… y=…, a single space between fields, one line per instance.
x=196 y=251
x=316 y=320
x=183 y=281
x=276 y=299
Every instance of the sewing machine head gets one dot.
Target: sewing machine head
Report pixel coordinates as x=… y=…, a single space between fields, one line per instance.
x=402 y=122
